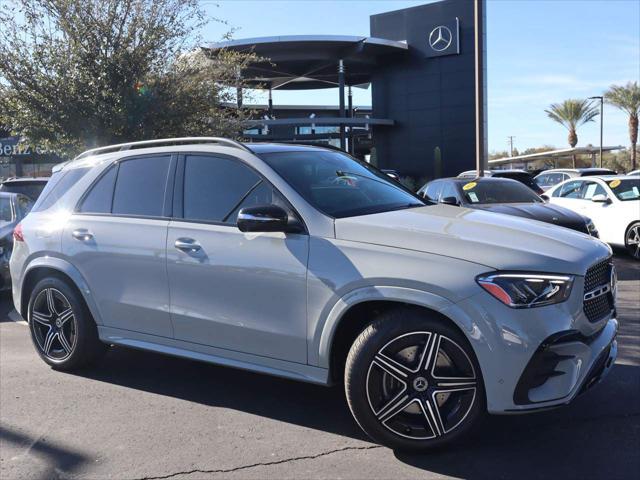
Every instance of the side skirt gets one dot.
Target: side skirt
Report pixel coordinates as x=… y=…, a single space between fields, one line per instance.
x=218 y=356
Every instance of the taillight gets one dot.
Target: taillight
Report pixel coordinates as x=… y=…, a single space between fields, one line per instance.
x=17 y=233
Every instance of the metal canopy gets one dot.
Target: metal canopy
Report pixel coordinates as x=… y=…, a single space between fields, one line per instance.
x=302 y=62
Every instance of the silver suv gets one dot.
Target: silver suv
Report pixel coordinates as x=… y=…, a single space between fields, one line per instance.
x=305 y=263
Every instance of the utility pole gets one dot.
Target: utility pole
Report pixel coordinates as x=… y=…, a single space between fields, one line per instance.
x=511 y=137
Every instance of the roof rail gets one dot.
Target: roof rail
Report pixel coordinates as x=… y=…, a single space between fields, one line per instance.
x=162 y=142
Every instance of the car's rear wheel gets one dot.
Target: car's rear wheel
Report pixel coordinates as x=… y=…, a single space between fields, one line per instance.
x=632 y=240
x=413 y=382
x=62 y=329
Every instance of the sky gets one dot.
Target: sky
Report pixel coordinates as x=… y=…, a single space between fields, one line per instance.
x=538 y=52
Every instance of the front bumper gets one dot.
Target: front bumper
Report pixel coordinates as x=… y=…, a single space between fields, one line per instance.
x=565 y=366
x=536 y=358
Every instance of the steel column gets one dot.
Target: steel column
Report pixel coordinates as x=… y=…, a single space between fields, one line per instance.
x=343 y=139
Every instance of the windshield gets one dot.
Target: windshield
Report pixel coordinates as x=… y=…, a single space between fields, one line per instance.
x=498 y=192
x=625 y=189
x=338 y=185
x=5 y=210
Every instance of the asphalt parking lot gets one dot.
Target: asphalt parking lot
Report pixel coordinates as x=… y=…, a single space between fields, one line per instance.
x=140 y=415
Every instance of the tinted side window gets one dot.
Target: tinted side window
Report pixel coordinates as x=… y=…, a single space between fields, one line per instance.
x=263 y=194
x=433 y=191
x=99 y=198
x=590 y=189
x=140 y=186
x=59 y=184
x=214 y=186
x=570 y=189
x=25 y=204
x=448 y=190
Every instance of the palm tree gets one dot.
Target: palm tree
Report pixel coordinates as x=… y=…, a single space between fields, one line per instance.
x=571 y=114
x=627 y=98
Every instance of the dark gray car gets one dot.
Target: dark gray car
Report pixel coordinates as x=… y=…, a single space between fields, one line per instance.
x=502 y=195
x=13 y=208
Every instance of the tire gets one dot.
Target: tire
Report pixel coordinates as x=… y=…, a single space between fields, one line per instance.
x=632 y=240
x=62 y=329
x=399 y=396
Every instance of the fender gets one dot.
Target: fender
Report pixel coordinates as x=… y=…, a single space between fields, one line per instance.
x=63 y=266
x=322 y=342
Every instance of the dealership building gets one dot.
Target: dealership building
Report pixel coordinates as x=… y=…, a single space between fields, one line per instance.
x=418 y=62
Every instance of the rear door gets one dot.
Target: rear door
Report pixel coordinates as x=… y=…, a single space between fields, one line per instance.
x=117 y=239
x=244 y=292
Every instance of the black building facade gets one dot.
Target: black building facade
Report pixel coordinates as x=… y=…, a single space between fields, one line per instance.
x=430 y=97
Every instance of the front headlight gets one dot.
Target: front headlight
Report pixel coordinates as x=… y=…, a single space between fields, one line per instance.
x=527 y=290
x=593 y=231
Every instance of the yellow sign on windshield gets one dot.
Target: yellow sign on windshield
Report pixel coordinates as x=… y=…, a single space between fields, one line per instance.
x=469 y=186
x=614 y=183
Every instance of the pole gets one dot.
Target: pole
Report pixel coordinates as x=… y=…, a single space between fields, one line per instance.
x=343 y=139
x=350 y=110
x=601 y=123
x=601 y=98
x=511 y=137
x=478 y=17
x=270 y=103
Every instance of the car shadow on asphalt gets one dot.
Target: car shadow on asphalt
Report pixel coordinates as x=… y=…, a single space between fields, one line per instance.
x=596 y=436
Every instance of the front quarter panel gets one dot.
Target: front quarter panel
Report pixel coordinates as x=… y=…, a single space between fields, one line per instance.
x=344 y=273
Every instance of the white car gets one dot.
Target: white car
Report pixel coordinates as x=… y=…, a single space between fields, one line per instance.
x=612 y=202
x=635 y=173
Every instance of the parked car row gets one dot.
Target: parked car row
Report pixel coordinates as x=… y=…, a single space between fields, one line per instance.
x=590 y=200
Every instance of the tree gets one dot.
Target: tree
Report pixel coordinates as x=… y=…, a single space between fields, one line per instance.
x=627 y=98
x=571 y=114
x=79 y=73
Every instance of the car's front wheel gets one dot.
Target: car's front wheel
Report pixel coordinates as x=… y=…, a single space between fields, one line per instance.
x=62 y=329
x=632 y=240
x=413 y=382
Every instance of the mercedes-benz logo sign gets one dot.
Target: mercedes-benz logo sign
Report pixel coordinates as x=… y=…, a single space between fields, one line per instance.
x=614 y=282
x=440 y=38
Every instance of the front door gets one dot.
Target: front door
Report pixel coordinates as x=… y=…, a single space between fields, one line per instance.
x=233 y=290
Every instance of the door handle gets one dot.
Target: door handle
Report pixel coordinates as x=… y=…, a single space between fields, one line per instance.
x=187 y=245
x=82 y=234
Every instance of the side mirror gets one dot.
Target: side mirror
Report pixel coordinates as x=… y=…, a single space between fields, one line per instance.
x=545 y=197
x=600 y=198
x=262 y=218
x=450 y=201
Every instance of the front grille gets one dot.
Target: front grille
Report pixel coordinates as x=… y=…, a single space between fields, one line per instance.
x=598 y=275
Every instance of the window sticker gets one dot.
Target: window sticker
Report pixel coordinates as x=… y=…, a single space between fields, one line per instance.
x=614 y=183
x=469 y=186
x=473 y=197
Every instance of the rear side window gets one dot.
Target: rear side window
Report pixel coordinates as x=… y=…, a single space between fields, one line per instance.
x=57 y=186
x=214 y=187
x=99 y=198
x=140 y=186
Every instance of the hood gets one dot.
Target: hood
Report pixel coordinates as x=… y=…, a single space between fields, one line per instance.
x=543 y=212
x=497 y=241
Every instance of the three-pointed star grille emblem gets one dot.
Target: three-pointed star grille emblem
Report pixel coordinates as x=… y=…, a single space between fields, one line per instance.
x=440 y=38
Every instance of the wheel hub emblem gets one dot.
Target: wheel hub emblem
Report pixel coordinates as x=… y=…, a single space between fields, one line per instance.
x=420 y=384
x=58 y=323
